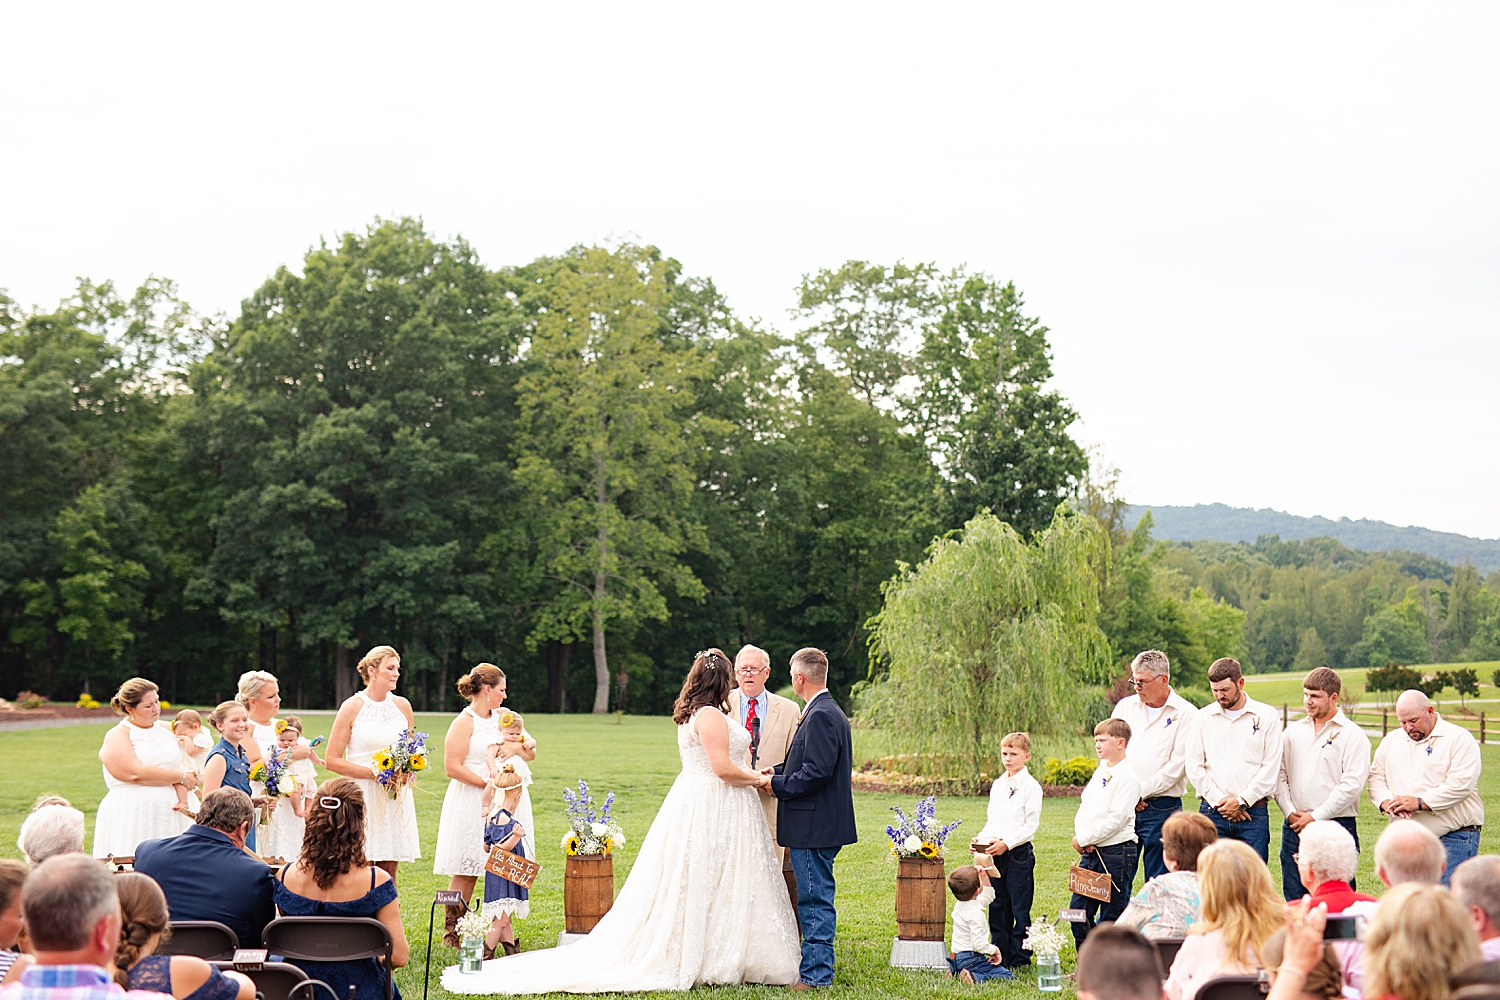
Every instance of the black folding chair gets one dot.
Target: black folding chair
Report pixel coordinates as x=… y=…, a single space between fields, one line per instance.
x=280 y=981
x=333 y=939
x=205 y=938
x=1166 y=950
x=1235 y=988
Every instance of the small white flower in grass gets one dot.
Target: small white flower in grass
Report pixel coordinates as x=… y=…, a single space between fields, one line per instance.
x=913 y=844
x=598 y=829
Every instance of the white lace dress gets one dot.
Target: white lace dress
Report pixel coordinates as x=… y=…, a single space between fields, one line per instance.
x=129 y=813
x=390 y=824
x=460 y=842
x=705 y=901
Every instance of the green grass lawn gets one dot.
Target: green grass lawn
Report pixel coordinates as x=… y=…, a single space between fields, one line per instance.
x=637 y=759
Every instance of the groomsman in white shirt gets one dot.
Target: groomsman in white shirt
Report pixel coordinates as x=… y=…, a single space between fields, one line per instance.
x=1159 y=719
x=1325 y=760
x=1428 y=770
x=1104 y=826
x=1234 y=758
x=1015 y=812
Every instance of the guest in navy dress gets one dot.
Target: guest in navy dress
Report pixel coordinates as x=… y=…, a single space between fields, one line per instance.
x=228 y=763
x=504 y=900
x=143 y=922
x=331 y=879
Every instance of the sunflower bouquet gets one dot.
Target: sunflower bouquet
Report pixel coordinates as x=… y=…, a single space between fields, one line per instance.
x=590 y=832
x=397 y=765
x=272 y=771
x=919 y=836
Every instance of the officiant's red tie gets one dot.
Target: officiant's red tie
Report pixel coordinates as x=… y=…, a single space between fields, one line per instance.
x=750 y=718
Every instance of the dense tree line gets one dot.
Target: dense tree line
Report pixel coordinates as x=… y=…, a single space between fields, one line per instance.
x=584 y=468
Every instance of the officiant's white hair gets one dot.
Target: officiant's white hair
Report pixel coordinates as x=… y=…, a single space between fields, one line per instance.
x=765 y=657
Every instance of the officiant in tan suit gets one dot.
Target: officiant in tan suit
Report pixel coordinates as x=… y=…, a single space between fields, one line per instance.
x=771 y=720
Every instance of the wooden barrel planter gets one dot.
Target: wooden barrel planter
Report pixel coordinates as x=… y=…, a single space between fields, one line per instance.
x=588 y=891
x=921 y=913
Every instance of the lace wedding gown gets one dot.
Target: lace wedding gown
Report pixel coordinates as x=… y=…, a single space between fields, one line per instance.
x=704 y=903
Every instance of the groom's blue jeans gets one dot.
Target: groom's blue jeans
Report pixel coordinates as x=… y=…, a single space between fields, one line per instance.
x=814 y=868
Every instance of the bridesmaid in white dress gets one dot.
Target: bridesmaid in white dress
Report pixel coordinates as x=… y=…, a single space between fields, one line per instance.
x=141 y=764
x=372 y=720
x=260 y=693
x=460 y=844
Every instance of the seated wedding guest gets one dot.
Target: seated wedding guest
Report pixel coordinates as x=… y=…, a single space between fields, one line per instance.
x=1407 y=853
x=72 y=912
x=1241 y=909
x=206 y=873
x=1326 y=860
x=1476 y=885
x=12 y=877
x=1167 y=906
x=1324 y=981
x=51 y=830
x=332 y=879
x=1418 y=936
x=143 y=922
x=1117 y=963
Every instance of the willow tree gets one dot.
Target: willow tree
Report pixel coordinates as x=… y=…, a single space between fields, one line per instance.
x=990 y=634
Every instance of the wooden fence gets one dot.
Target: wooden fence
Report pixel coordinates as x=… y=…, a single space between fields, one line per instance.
x=1384 y=719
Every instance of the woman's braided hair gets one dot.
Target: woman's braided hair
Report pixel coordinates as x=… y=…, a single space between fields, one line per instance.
x=143 y=912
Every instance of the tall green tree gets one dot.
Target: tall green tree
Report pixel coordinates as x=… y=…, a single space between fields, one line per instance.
x=989 y=634
x=605 y=454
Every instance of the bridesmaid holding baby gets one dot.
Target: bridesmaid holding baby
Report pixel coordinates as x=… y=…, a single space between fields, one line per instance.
x=474 y=749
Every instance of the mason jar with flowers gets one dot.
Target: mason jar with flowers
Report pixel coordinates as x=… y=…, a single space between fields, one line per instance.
x=917 y=844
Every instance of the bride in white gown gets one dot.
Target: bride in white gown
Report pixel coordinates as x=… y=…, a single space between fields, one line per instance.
x=705 y=901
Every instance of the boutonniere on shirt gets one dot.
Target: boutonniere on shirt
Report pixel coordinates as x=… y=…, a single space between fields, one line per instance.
x=1255 y=725
x=1104 y=783
x=1169 y=721
x=1429 y=749
x=1329 y=741
x=1013 y=791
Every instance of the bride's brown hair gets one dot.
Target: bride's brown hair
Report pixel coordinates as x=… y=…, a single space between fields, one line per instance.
x=708 y=683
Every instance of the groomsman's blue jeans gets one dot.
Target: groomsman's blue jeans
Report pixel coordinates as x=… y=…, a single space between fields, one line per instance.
x=1458 y=846
x=1255 y=831
x=1148 y=824
x=814 y=868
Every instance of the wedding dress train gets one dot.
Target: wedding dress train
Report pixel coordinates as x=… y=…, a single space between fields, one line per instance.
x=704 y=903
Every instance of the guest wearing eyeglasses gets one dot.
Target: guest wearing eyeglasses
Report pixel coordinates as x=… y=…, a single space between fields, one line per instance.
x=1159 y=718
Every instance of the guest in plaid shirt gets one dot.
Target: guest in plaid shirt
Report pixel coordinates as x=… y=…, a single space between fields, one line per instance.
x=72 y=913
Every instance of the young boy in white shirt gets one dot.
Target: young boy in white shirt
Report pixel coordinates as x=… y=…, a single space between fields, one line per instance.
x=1104 y=826
x=1004 y=845
x=974 y=957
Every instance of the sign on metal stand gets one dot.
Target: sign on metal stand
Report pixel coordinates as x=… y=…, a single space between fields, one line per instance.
x=443 y=897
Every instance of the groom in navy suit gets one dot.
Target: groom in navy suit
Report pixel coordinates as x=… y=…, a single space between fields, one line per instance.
x=816 y=816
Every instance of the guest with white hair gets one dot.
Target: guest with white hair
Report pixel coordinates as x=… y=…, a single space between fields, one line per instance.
x=1326 y=860
x=1407 y=853
x=1428 y=771
x=50 y=831
x=1476 y=884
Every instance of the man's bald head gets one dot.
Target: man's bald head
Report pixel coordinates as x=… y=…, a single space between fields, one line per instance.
x=1415 y=713
x=1409 y=852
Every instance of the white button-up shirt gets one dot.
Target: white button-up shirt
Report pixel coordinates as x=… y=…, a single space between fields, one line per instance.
x=1015 y=810
x=1240 y=757
x=1106 y=813
x=1158 y=748
x=1442 y=770
x=1323 y=773
x=971 y=923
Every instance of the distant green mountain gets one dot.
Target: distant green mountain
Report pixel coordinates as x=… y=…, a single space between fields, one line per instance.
x=1221 y=523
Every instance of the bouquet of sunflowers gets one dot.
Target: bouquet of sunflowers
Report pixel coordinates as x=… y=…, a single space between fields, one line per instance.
x=919 y=836
x=272 y=771
x=397 y=765
x=590 y=832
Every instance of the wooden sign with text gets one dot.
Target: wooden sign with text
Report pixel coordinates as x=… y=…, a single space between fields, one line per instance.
x=512 y=867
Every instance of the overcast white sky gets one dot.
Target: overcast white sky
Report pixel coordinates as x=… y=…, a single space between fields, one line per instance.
x=1266 y=237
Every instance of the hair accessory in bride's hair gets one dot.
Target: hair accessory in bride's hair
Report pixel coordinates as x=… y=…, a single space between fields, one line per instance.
x=330 y=802
x=713 y=656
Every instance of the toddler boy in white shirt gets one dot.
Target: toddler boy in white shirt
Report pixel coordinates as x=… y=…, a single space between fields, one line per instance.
x=1104 y=826
x=974 y=957
x=1015 y=812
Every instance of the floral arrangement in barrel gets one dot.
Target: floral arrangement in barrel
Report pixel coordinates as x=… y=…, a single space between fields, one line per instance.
x=590 y=831
x=919 y=835
x=397 y=765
